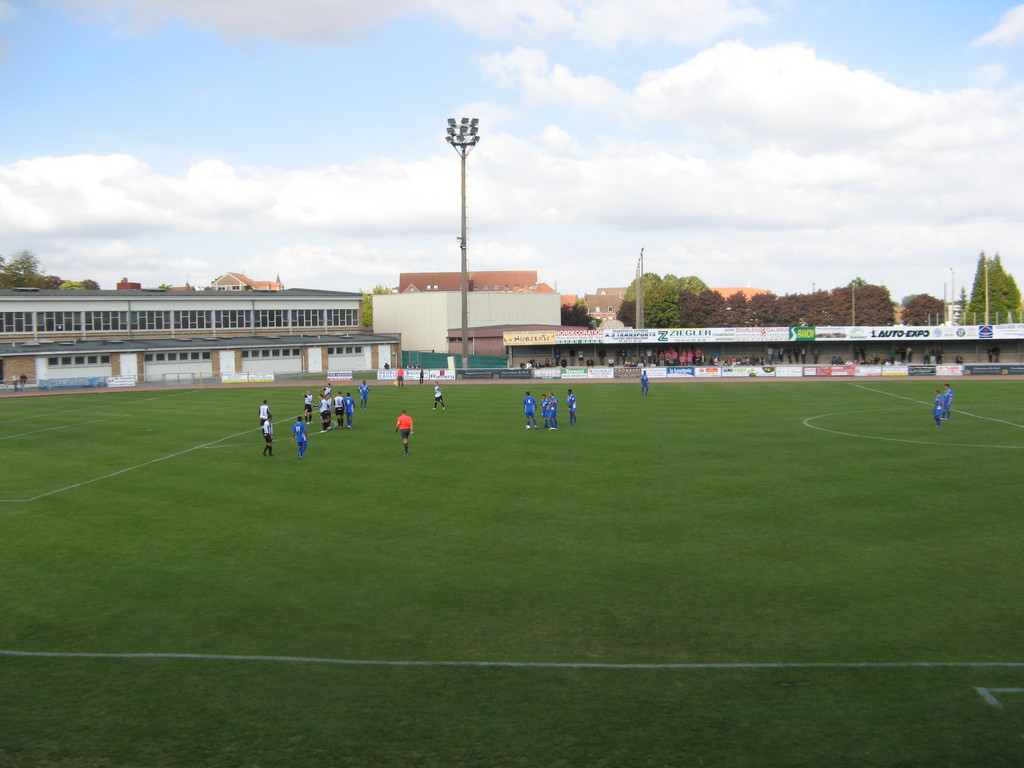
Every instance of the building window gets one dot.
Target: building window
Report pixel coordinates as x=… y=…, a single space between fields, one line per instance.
x=15 y=322
x=77 y=360
x=233 y=318
x=342 y=318
x=192 y=319
x=150 y=321
x=271 y=318
x=55 y=322
x=106 y=321
x=307 y=318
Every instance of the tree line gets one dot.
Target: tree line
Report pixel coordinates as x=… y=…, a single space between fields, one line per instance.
x=22 y=270
x=687 y=302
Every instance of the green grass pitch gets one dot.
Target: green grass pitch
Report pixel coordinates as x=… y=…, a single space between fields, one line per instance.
x=726 y=574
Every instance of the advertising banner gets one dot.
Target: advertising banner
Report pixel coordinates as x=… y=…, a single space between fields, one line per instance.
x=579 y=336
x=707 y=372
x=121 y=381
x=993 y=369
x=339 y=375
x=789 y=371
x=949 y=370
x=241 y=377
x=526 y=338
x=683 y=372
x=921 y=370
x=81 y=382
x=748 y=371
x=601 y=373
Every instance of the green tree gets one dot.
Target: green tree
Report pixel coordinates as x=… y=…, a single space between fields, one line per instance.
x=22 y=271
x=995 y=297
x=378 y=290
x=661 y=307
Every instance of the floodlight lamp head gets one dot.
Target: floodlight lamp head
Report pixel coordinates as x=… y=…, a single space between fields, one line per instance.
x=465 y=121
x=451 y=121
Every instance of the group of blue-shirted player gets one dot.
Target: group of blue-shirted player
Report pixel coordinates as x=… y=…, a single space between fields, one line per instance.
x=548 y=410
x=942 y=408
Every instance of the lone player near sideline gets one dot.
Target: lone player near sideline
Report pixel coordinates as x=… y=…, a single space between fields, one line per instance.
x=947 y=403
x=268 y=437
x=438 y=397
x=937 y=408
x=299 y=436
x=571 y=402
x=364 y=395
x=645 y=385
x=404 y=425
x=530 y=409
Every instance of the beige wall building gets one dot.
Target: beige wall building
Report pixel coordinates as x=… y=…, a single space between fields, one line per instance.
x=423 y=319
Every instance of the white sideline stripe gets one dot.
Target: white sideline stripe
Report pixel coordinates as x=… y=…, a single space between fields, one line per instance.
x=63 y=426
x=929 y=402
x=987 y=694
x=93 y=407
x=541 y=664
x=129 y=469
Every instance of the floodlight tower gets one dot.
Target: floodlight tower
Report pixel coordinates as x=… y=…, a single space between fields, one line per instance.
x=462 y=135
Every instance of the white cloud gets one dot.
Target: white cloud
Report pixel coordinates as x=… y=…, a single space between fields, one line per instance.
x=603 y=23
x=1009 y=30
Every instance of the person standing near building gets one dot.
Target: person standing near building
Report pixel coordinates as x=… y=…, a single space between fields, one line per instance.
x=937 y=407
x=438 y=397
x=645 y=385
x=307 y=405
x=364 y=396
x=264 y=413
x=300 y=436
x=348 y=405
x=268 y=437
x=530 y=409
x=339 y=409
x=947 y=403
x=404 y=425
x=570 y=401
x=325 y=413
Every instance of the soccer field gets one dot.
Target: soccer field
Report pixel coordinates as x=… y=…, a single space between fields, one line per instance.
x=722 y=574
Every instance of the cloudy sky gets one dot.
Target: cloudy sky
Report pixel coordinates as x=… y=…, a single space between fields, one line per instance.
x=781 y=144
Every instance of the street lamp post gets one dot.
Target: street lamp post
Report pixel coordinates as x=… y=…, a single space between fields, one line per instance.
x=462 y=135
x=986 y=290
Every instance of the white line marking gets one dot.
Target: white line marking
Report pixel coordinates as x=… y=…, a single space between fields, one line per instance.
x=129 y=469
x=118 y=404
x=809 y=419
x=988 y=694
x=63 y=426
x=531 y=664
x=928 y=402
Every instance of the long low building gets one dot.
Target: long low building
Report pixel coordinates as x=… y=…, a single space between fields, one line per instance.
x=152 y=335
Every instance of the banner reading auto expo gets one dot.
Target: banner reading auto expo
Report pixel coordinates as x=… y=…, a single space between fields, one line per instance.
x=779 y=334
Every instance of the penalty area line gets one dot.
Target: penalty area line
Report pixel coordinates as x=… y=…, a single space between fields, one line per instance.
x=127 y=469
x=522 y=664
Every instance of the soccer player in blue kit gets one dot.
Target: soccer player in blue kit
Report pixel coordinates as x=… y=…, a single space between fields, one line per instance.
x=299 y=435
x=552 y=411
x=364 y=395
x=571 y=402
x=947 y=403
x=530 y=409
x=940 y=403
x=645 y=385
x=350 y=408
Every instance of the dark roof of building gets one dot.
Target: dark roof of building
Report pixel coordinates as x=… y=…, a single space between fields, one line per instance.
x=94 y=346
x=150 y=293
